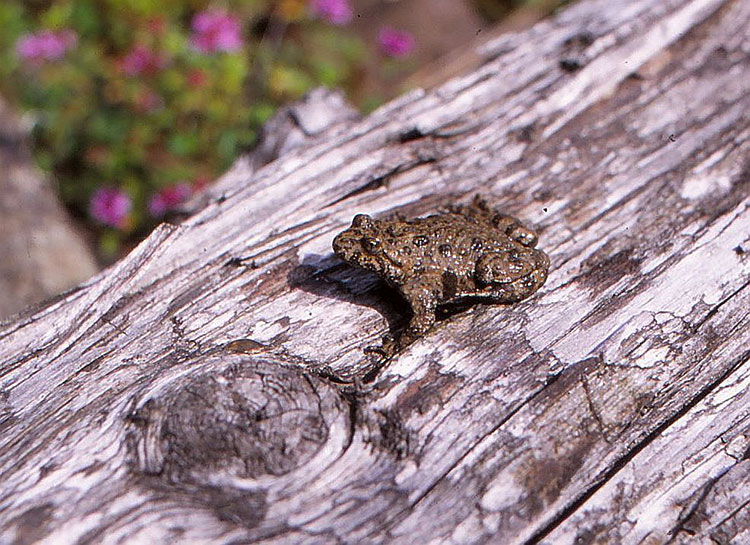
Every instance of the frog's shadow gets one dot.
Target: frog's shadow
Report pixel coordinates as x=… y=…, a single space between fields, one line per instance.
x=328 y=276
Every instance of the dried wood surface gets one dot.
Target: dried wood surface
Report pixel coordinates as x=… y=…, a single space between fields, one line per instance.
x=187 y=394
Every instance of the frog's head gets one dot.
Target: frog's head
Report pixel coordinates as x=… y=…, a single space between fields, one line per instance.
x=362 y=244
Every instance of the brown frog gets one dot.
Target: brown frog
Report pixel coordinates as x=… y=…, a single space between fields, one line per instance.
x=469 y=253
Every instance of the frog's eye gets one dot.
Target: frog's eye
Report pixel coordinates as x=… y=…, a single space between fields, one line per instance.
x=362 y=221
x=371 y=245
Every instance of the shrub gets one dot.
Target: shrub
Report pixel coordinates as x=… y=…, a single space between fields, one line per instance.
x=134 y=104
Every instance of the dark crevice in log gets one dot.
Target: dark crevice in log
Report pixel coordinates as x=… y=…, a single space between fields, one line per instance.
x=381 y=180
x=599 y=481
x=691 y=510
x=459 y=459
x=714 y=309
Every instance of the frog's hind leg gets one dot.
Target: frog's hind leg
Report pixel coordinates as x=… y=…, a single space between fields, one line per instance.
x=509 y=292
x=496 y=295
x=495 y=268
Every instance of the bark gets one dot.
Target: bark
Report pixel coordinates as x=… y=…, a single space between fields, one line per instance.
x=208 y=388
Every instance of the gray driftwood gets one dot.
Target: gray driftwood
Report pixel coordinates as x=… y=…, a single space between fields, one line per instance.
x=207 y=388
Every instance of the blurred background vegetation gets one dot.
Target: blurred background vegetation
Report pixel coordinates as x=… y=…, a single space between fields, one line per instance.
x=134 y=105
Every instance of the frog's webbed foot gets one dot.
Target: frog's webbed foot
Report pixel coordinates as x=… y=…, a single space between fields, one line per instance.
x=387 y=349
x=379 y=356
x=477 y=208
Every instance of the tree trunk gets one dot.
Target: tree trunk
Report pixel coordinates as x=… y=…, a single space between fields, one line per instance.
x=209 y=388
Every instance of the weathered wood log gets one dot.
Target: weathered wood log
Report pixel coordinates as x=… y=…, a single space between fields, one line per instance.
x=208 y=388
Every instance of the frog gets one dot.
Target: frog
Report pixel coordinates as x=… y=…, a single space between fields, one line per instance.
x=462 y=255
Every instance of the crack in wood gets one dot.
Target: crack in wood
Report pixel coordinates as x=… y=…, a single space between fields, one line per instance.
x=599 y=481
x=468 y=451
x=690 y=511
x=593 y=409
x=715 y=309
x=382 y=179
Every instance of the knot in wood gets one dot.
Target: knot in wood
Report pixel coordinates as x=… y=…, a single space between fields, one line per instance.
x=249 y=420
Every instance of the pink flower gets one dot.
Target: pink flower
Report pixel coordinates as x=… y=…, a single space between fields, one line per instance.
x=395 y=43
x=215 y=31
x=167 y=199
x=337 y=12
x=141 y=59
x=45 y=45
x=110 y=206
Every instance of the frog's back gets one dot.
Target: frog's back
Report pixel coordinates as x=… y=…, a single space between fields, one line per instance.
x=443 y=243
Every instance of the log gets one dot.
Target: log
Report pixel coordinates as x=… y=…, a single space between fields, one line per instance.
x=211 y=388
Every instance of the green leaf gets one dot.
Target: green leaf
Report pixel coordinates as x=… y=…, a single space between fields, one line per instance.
x=109 y=243
x=227 y=146
x=58 y=15
x=98 y=125
x=84 y=17
x=183 y=144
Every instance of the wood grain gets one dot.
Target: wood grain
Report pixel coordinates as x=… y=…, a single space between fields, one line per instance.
x=197 y=390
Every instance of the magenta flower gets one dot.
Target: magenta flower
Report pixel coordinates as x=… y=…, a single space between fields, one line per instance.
x=337 y=12
x=140 y=60
x=215 y=31
x=395 y=43
x=110 y=206
x=45 y=45
x=167 y=199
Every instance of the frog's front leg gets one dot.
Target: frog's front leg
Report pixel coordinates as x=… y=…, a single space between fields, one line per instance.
x=423 y=295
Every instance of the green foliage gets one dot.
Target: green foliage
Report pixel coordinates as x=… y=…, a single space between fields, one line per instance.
x=180 y=116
